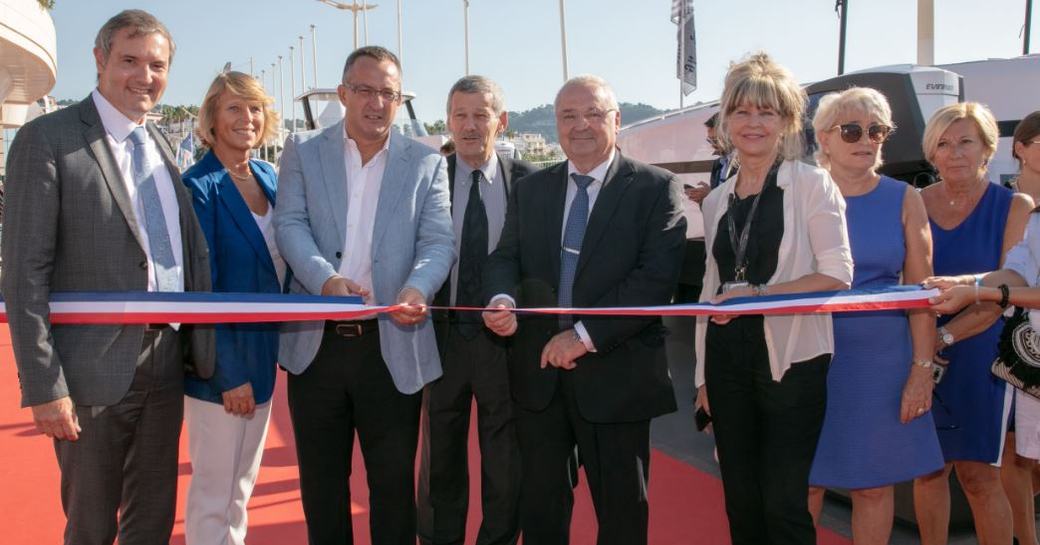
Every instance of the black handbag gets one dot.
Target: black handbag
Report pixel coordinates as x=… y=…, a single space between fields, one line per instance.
x=1018 y=354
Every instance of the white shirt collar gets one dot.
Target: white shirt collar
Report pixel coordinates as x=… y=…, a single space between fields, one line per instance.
x=599 y=173
x=352 y=145
x=116 y=124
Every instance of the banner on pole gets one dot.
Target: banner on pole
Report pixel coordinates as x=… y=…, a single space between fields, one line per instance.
x=686 y=37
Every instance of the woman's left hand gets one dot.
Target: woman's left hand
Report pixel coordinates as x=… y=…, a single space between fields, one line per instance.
x=723 y=319
x=952 y=299
x=917 y=394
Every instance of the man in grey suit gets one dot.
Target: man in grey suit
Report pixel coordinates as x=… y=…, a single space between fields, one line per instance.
x=474 y=359
x=95 y=203
x=362 y=211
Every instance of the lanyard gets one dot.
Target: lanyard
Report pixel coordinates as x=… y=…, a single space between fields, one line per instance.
x=740 y=248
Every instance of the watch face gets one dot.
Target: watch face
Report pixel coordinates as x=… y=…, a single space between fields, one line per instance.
x=947 y=338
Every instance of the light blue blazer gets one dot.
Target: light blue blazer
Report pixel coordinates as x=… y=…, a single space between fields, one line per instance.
x=412 y=243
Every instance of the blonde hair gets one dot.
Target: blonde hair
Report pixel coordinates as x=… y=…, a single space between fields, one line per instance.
x=245 y=87
x=948 y=115
x=759 y=81
x=852 y=100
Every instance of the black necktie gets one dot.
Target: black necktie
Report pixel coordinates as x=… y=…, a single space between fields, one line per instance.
x=473 y=250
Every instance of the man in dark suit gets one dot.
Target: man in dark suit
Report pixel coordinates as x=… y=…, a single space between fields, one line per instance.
x=589 y=381
x=473 y=358
x=95 y=203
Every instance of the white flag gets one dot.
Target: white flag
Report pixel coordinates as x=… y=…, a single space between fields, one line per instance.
x=686 y=57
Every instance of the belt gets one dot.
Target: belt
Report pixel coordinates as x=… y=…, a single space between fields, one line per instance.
x=352 y=329
x=155 y=327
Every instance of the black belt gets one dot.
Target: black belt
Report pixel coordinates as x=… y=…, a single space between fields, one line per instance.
x=155 y=327
x=352 y=329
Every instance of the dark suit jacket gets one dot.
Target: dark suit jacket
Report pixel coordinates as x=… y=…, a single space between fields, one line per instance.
x=240 y=262
x=630 y=256
x=69 y=225
x=512 y=171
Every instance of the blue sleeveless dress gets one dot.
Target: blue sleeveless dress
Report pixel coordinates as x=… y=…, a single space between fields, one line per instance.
x=970 y=405
x=863 y=444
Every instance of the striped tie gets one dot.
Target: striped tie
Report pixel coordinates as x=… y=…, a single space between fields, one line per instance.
x=159 y=246
x=573 y=233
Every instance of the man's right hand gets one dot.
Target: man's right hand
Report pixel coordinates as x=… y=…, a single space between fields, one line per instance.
x=337 y=286
x=698 y=192
x=57 y=419
x=499 y=319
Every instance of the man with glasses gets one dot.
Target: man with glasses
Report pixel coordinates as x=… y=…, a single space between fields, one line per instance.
x=362 y=211
x=599 y=230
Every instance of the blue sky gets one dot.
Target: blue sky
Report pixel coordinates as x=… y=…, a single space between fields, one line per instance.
x=517 y=42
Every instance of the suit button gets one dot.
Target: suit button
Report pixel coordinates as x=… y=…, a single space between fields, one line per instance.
x=144 y=264
x=339 y=255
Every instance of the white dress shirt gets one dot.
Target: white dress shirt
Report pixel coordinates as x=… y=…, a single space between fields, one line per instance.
x=117 y=130
x=363 y=183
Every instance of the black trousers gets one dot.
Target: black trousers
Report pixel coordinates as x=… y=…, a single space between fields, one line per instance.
x=121 y=475
x=616 y=458
x=766 y=433
x=346 y=388
x=473 y=368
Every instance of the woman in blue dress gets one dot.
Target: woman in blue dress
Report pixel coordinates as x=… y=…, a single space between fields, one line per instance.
x=974 y=223
x=877 y=430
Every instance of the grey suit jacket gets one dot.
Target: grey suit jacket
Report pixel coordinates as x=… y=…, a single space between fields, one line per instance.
x=412 y=242
x=69 y=226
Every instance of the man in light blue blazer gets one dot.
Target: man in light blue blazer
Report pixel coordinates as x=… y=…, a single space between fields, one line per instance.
x=362 y=211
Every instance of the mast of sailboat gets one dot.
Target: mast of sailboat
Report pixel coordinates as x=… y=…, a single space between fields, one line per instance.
x=842 y=7
x=1028 y=26
x=925 y=32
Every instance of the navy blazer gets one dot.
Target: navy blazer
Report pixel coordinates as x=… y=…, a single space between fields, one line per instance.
x=240 y=262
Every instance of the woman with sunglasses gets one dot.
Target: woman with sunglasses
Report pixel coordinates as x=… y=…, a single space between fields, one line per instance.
x=877 y=430
x=777 y=226
x=974 y=223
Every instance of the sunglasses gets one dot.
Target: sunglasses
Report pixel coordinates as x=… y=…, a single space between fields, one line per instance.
x=853 y=132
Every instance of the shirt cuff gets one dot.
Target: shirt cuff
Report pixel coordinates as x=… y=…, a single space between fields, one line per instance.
x=503 y=296
x=583 y=334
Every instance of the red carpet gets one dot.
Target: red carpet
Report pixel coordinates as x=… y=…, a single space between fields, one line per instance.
x=686 y=504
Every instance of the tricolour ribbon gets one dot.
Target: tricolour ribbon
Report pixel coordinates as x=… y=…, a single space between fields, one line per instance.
x=209 y=308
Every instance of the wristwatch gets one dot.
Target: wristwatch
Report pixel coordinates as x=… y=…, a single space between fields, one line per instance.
x=945 y=336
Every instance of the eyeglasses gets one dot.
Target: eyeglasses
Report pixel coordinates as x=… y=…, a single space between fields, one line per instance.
x=367 y=92
x=853 y=132
x=592 y=117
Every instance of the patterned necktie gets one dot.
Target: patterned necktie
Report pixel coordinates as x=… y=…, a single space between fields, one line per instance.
x=473 y=251
x=163 y=263
x=573 y=233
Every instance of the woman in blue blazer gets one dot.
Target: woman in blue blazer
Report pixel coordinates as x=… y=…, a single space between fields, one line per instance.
x=227 y=415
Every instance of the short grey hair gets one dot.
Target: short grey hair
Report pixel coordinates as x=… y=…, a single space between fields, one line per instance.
x=140 y=23
x=375 y=52
x=479 y=85
x=589 y=80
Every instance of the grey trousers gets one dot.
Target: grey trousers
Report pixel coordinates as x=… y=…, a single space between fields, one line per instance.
x=121 y=475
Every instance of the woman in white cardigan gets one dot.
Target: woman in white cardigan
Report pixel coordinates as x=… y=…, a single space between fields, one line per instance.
x=777 y=226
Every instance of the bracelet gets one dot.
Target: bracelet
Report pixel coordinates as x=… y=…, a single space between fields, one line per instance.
x=926 y=364
x=978 y=280
x=1005 y=295
x=759 y=290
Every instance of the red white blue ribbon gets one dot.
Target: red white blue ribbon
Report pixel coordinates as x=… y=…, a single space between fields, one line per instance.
x=209 y=308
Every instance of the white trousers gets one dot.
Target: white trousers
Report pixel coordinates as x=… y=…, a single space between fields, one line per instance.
x=225 y=453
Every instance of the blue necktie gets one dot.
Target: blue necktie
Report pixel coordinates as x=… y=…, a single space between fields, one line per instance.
x=163 y=263
x=573 y=233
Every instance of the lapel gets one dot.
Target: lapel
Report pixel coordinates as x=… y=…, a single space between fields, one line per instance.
x=555 y=200
x=507 y=173
x=451 y=183
x=393 y=186
x=231 y=199
x=617 y=180
x=94 y=134
x=334 y=174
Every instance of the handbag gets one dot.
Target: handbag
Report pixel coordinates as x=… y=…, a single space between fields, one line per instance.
x=1018 y=354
